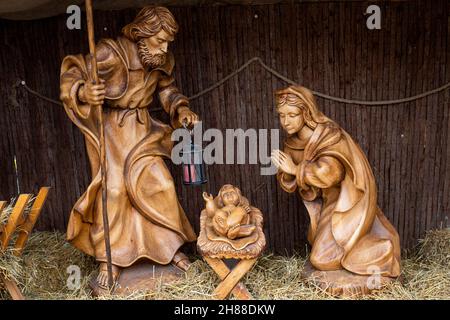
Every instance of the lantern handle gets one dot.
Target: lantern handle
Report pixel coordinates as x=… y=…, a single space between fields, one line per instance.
x=184 y=124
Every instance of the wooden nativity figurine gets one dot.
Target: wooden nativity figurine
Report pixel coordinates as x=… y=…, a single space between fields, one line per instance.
x=230 y=228
x=230 y=218
x=351 y=238
x=146 y=221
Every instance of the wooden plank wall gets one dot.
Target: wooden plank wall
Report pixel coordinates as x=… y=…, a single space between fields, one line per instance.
x=325 y=46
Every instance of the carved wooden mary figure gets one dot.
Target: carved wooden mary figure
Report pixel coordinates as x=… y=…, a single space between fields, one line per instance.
x=333 y=177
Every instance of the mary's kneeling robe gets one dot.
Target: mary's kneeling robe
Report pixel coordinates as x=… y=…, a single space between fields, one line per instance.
x=348 y=230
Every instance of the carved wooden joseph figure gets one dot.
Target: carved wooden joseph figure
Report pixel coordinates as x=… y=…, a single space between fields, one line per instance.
x=332 y=175
x=145 y=217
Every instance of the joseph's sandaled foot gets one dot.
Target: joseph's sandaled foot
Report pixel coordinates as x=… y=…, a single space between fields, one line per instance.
x=102 y=278
x=181 y=261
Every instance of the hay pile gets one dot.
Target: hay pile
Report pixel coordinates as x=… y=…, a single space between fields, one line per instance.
x=10 y=264
x=426 y=274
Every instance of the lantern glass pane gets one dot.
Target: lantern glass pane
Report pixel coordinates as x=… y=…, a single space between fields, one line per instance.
x=193 y=167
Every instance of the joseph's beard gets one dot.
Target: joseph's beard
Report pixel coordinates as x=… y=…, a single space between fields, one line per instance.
x=148 y=59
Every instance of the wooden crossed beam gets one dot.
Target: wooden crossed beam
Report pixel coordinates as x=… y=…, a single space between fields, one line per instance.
x=23 y=226
x=231 y=278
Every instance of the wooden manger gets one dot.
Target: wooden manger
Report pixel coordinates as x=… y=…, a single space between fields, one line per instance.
x=20 y=222
x=217 y=253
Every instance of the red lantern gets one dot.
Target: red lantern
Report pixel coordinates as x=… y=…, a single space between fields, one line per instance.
x=193 y=167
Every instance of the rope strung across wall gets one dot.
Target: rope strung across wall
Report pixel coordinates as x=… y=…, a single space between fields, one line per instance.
x=285 y=79
x=319 y=94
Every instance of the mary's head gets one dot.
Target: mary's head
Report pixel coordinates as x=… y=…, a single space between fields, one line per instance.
x=296 y=108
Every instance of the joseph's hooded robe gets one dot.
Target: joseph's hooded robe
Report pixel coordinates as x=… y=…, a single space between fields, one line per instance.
x=347 y=229
x=145 y=217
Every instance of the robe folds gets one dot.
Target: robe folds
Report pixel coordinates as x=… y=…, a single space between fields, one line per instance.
x=145 y=218
x=347 y=229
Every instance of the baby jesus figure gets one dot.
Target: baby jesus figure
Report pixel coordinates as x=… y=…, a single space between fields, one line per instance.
x=230 y=213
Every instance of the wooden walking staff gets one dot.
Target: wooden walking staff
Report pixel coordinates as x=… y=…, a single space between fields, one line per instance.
x=94 y=78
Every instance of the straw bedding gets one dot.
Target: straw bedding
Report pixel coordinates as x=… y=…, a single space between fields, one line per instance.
x=42 y=273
